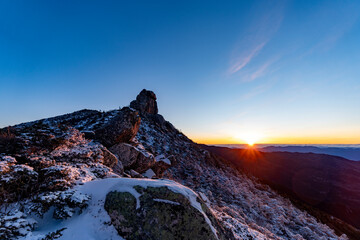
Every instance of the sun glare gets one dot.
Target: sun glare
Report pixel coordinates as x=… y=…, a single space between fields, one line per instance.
x=250 y=142
x=250 y=138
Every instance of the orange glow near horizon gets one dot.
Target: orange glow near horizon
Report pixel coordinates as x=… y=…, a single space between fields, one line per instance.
x=233 y=134
x=278 y=140
x=251 y=133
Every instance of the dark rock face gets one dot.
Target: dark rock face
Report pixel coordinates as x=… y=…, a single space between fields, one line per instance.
x=122 y=128
x=163 y=214
x=145 y=102
x=132 y=157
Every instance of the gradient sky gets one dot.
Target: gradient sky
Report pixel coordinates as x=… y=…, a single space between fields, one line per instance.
x=276 y=71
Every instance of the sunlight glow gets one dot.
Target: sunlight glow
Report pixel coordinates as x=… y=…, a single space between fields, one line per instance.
x=250 y=138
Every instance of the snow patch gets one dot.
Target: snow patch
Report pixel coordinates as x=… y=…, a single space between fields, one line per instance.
x=149 y=173
x=166 y=201
x=162 y=158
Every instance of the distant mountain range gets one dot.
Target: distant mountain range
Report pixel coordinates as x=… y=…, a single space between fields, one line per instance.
x=348 y=151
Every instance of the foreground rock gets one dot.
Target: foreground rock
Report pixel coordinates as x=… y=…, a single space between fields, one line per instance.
x=158 y=212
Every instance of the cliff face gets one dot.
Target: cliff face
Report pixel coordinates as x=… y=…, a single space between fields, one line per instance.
x=58 y=168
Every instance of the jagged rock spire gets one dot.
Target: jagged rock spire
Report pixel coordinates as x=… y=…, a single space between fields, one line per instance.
x=145 y=102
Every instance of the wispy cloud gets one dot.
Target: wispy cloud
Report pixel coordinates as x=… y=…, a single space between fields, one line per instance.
x=243 y=60
x=260 y=30
x=262 y=70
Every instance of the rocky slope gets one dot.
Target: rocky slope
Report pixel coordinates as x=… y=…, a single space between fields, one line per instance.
x=327 y=182
x=323 y=184
x=76 y=171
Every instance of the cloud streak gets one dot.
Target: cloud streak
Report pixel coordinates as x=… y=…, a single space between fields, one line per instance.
x=262 y=28
x=262 y=69
x=243 y=60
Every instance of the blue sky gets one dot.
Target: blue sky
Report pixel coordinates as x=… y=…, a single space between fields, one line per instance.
x=277 y=71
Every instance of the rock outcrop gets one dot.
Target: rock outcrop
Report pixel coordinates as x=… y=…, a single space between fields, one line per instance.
x=121 y=128
x=161 y=213
x=145 y=102
x=109 y=159
x=133 y=157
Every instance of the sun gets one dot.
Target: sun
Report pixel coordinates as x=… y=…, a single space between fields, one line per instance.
x=250 y=142
x=250 y=138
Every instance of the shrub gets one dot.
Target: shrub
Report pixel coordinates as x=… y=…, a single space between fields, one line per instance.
x=9 y=143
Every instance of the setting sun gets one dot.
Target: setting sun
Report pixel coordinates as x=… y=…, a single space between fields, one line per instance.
x=251 y=143
x=250 y=138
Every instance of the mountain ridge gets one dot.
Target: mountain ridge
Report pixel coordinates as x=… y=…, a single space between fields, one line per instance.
x=58 y=155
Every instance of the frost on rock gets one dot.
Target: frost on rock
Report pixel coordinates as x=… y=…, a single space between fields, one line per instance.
x=65 y=203
x=5 y=163
x=38 y=180
x=53 y=159
x=162 y=158
x=15 y=224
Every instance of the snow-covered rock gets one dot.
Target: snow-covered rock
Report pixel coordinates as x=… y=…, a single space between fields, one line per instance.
x=155 y=209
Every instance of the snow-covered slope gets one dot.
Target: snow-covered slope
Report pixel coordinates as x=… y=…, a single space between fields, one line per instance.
x=93 y=222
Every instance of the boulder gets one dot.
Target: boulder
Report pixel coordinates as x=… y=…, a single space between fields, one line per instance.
x=133 y=157
x=159 y=168
x=109 y=159
x=161 y=213
x=121 y=128
x=135 y=174
x=118 y=168
x=161 y=165
x=145 y=102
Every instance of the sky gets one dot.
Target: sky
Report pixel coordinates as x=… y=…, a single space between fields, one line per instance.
x=223 y=71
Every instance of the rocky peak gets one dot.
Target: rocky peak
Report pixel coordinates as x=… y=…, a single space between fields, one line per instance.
x=145 y=102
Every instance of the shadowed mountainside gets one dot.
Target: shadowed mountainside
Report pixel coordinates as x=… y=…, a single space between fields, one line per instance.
x=327 y=182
